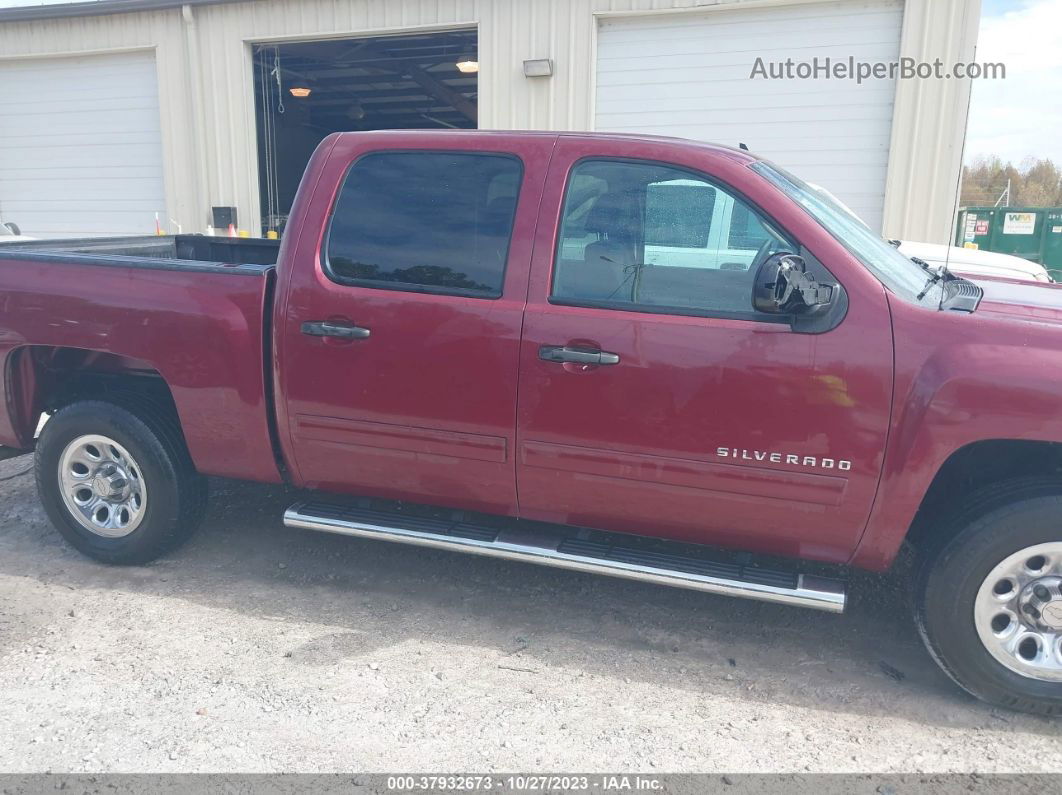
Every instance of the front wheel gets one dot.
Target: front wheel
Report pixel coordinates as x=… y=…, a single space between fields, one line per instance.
x=990 y=600
x=117 y=482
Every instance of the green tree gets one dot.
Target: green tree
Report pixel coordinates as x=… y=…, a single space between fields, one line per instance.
x=1036 y=183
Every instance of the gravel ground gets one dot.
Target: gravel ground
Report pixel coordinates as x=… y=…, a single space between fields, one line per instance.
x=256 y=648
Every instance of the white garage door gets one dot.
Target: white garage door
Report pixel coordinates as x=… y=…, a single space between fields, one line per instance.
x=688 y=75
x=80 y=145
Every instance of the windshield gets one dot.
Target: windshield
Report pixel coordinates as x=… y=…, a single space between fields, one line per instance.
x=893 y=269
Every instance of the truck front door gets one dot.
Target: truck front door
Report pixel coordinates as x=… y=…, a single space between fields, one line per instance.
x=654 y=400
x=399 y=347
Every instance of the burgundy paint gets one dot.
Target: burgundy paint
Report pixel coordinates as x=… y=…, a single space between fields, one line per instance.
x=425 y=408
x=964 y=378
x=447 y=402
x=201 y=331
x=632 y=447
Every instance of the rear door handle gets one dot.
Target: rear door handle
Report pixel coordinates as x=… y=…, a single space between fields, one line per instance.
x=562 y=354
x=342 y=331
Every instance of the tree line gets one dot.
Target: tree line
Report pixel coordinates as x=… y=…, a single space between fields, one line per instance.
x=1035 y=183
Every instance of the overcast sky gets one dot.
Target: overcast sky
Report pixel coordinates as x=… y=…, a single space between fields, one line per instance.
x=1021 y=116
x=1015 y=118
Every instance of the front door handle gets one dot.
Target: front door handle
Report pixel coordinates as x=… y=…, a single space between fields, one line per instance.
x=340 y=330
x=562 y=354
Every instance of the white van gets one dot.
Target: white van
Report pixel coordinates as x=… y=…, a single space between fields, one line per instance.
x=676 y=235
x=974 y=262
x=687 y=224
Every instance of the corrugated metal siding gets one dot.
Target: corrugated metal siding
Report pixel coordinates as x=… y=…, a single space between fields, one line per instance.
x=204 y=73
x=929 y=123
x=158 y=30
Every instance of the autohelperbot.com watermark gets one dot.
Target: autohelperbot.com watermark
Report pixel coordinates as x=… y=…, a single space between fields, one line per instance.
x=850 y=68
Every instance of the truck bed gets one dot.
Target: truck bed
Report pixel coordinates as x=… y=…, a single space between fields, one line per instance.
x=170 y=252
x=171 y=306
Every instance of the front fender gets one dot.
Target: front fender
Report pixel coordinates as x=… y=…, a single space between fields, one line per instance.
x=960 y=379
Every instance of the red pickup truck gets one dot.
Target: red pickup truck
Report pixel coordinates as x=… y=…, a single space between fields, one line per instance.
x=638 y=356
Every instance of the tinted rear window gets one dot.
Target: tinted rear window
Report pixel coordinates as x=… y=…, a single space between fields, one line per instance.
x=425 y=221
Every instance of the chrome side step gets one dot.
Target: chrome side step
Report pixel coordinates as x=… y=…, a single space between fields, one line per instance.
x=547 y=546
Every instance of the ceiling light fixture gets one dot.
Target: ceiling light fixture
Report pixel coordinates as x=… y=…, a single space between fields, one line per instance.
x=468 y=66
x=300 y=91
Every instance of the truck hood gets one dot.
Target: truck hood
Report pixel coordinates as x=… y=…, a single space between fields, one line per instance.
x=974 y=262
x=1021 y=299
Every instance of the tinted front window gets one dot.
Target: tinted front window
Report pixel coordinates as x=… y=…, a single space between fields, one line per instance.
x=425 y=221
x=648 y=237
x=678 y=214
x=746 y=230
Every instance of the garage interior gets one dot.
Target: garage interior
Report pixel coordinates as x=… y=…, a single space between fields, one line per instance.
x=306 y=90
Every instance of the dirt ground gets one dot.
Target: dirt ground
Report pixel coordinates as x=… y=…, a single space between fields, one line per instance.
x=257 y=648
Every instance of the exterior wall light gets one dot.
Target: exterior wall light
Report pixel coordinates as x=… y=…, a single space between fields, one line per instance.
x=539 y=67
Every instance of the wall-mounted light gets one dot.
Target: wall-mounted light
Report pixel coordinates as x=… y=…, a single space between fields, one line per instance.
x=300 y=91
x=538 y=67
x=468 y=66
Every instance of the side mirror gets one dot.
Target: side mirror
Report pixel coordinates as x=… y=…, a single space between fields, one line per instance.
x=14 y=228
x=784 y=287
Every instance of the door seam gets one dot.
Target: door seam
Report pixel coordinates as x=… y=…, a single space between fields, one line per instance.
x=523 y=322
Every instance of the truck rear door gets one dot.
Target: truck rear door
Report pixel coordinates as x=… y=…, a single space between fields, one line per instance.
x=399 y=346
x=654 y=400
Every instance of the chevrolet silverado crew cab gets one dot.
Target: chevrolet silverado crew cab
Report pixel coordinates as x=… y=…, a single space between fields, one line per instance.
x=644 y=357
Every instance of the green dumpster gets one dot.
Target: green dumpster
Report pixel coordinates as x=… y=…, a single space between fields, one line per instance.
x=1033 y=233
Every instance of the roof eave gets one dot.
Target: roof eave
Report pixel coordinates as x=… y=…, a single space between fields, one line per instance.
x=101 y=8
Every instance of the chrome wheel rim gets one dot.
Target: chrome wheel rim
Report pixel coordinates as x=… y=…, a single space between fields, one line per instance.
x=102 y=486
x=1018 y=612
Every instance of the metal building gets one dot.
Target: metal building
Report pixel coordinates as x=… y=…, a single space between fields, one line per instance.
x=115 y=110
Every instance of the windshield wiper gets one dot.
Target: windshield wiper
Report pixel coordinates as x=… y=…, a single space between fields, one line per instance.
x=934 y=277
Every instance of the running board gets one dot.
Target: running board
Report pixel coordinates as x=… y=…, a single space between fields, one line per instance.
x=571 y=548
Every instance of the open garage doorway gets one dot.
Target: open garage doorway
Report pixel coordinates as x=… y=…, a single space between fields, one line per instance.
x=307 y=90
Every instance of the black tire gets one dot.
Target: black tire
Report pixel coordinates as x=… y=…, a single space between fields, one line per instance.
x=177 y=494
x=1004 y=520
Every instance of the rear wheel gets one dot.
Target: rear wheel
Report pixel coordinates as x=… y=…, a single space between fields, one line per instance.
x=990 y=599
x=117 y=481
x=102 y=486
